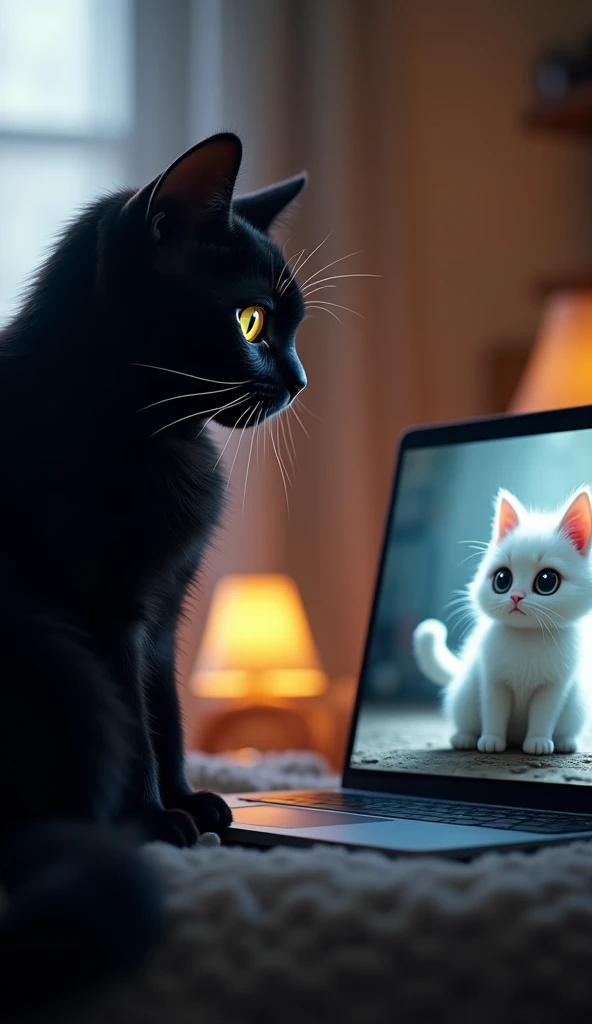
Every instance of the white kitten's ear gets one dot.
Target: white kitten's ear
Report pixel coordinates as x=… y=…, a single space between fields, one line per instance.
x=576 y=522
x=508 y=511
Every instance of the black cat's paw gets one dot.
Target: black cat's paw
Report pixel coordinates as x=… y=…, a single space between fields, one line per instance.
x=176 y=827
x=209 y=811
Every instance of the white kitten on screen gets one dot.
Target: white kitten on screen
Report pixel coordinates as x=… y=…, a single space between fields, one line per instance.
x=520 y=679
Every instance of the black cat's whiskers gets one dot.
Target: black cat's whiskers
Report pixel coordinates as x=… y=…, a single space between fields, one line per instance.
x=281 y=285
x=251 y=412
x=288 y=427
x=284 y=285
x=279 y=427
x=321 y=303
x=314 y=305
x=216 y=411
x=311 y=280
x=259 y=412
x=280 y=436
x=183 y=373
x=259 y=432
x=309 y=411
x=292 y=407
x=202 y=412
x=274 y=282
x=311 y=254
x=193 y=394
x=321 y=288
x=279 y=462
x=228 y=439
x=335 y=277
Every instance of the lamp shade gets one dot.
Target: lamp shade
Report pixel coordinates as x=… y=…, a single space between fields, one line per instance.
x=559 y=371
x=257 y=642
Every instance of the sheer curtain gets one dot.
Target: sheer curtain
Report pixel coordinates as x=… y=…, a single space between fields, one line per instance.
x=66 y=120
x=93 y=95
x=309 y=84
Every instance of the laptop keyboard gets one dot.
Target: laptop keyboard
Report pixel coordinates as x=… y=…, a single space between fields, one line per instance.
x=422 y=809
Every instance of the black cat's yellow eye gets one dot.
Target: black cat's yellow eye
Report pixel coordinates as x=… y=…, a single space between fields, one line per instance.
x=251 y=320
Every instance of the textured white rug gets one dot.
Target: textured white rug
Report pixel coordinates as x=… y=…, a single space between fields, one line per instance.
x=325 y=935
x=298 y=769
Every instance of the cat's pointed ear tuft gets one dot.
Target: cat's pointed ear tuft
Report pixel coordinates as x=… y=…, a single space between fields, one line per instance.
x=193 y=192
x=263 y=207
x=576 y=522
x=507 y=514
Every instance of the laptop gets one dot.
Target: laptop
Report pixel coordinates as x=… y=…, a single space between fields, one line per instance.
x=408 y=786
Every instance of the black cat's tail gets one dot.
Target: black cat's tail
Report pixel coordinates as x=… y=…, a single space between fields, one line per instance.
x=79 y=908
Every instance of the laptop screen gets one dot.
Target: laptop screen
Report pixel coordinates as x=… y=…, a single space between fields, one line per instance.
x=479 y=657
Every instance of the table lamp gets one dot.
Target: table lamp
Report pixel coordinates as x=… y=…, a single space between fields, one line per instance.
x=257 y=650
x=559 y=371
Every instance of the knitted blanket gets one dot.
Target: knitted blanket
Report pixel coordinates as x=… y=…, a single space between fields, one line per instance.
x=325 y=935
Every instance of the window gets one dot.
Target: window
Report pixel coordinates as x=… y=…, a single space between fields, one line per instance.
x=66 y=121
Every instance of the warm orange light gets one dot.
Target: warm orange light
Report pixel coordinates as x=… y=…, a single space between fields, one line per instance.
x=257 y=642
x=559 y=371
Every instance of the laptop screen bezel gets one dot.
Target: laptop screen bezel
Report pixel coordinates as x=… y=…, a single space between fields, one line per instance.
x=545 y=795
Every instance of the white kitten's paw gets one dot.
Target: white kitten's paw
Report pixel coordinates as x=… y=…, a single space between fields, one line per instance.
x=565 y=744
x=464 y=741
x=491 y=744
x=537 y=745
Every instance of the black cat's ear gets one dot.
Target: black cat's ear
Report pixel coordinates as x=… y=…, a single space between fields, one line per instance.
x=263 y=207
x=196 y=190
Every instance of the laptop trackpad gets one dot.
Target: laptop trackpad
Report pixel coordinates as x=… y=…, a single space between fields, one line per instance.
x=292 y=817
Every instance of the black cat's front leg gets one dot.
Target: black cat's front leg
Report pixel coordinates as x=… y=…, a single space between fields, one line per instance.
x=209 y=811
x=143 y=804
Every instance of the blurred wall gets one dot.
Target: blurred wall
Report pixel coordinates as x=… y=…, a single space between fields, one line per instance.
x=407 y=115
x=492 y=206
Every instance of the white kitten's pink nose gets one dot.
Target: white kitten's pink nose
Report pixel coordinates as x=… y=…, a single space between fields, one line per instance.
x=517 y=595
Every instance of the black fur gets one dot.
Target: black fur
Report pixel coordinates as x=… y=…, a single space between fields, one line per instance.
x=103 y=521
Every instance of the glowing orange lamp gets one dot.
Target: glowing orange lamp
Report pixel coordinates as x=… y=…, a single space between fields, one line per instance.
x=559 y=371
x=257 y=650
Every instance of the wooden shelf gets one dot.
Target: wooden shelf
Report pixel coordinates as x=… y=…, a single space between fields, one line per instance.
x=579 y=280
x=571 y=115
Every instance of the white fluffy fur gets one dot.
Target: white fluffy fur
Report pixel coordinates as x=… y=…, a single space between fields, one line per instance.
x=521 y=677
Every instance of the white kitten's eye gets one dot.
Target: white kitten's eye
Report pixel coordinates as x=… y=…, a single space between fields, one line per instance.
x=502 y=580
x=546 y=582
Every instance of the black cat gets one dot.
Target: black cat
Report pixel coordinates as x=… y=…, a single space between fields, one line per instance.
x=157 y=312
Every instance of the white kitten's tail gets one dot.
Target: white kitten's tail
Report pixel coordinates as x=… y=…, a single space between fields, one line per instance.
x=433 y=656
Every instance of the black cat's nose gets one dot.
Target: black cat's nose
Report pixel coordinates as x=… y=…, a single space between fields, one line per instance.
x=297 y=384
